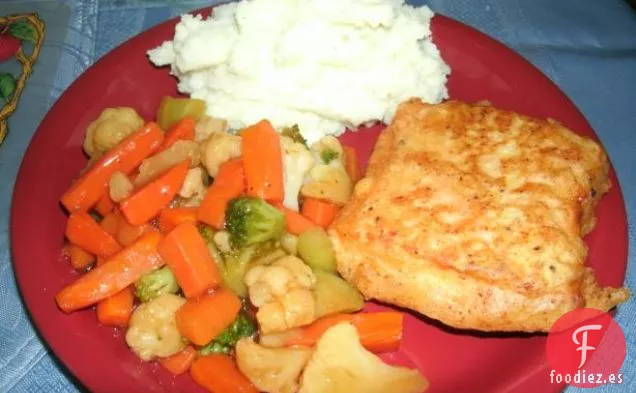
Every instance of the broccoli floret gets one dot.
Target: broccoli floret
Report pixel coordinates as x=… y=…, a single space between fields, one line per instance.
x=153 y=284
x=328 y=155
x=252 y=220
x=243 y=326
x=293 y=132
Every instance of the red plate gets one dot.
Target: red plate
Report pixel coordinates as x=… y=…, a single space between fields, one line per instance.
x=453 y=361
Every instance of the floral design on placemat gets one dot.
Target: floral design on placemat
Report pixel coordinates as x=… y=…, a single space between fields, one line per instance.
x=21 y=39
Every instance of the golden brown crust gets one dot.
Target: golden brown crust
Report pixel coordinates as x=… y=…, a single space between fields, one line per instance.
x=474 y=216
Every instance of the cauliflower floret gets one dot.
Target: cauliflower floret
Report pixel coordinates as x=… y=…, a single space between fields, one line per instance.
x=329 y=179
x=297 y=161
x=271 y=370
x=341 y=364
x=110 y=128
x=153 y=328
x=283 y=294
x=193 y=188
x=218 y=148
x=206 y=126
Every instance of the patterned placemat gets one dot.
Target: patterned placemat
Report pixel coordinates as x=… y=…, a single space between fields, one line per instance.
x=21 y=38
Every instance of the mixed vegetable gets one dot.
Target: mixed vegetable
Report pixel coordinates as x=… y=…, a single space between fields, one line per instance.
x=209 y=248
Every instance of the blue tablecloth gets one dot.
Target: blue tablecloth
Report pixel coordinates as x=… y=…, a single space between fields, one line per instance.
x=588 y=47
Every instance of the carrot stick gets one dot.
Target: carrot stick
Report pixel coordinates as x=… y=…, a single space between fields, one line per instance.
x=118 y=272
x=183 y=129
x=170 y=218
x=146 y=202
x=110 y=222
x=79 y=258
x=105 y=205
x=127 y=234
x=351 y=163
x=185 y=251
x=228 y=184
x=202 y=319
x=84 y=232
x=320 y=212
x=296 y=222
x=124 y=157
x=219 y=374
x=231 y=177
x=379 y=332
x=180 y=362
x=263 y=161
x=116 y=309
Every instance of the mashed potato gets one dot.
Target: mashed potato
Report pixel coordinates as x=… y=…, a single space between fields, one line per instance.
x=322 y=64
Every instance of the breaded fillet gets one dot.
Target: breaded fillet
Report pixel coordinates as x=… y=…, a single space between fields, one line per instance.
x=474 y=216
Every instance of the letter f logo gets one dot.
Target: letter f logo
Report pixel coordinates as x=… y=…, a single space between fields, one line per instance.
x=584 y=348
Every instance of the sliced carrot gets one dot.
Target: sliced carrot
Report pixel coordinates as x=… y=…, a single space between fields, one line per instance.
x=124 y=157
x=116 y=309
x=185 y=251
x=202 y=319
x=183 y=129
x=379 y=332
x=146 y=202
x=219 y=374
x=118 y=272
x=180 y=362
x=320 y=212
x=105 y=205
x=231 y=177
x=170 y=218
x=127 y=234
x=228 y=184
x=263 y=161
x=86 y=233
x=296 y=222
x=110 y=222
x=79 y=258
x=351 y=163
